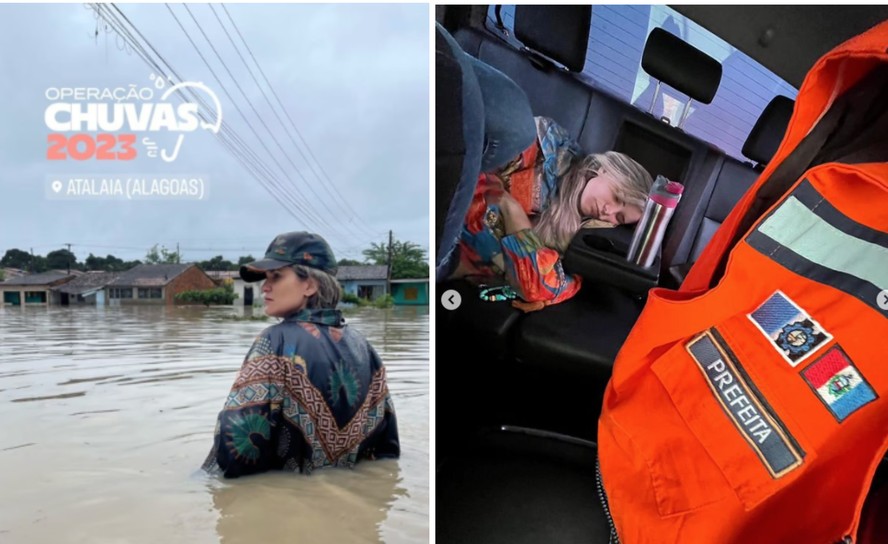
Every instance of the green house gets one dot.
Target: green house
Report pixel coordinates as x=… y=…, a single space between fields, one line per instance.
x=412 y=292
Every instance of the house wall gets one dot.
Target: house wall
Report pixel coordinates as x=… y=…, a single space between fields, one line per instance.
x=241 y=285
x=193 y=278
x=411 y=294
x=22 y=297
x=377 y=287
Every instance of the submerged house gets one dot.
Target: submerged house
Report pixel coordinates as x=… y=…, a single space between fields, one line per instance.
x=364 y=281
x=86 y=289
x=247 y=293
x=156 y=283
x=34 y=289
x=411 y=292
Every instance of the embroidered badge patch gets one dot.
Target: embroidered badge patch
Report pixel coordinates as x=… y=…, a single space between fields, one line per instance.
x=747 y=410
x=838 y=383
x=792 y=332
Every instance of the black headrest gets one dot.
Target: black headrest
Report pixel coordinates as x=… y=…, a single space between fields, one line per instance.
x=766 y=135
x=559 y=32
x=680 y=65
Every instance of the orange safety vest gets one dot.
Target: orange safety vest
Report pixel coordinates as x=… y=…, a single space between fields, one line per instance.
x=756 y=410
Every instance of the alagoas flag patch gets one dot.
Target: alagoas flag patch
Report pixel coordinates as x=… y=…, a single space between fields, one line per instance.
x=838 y=383
x=791 y=331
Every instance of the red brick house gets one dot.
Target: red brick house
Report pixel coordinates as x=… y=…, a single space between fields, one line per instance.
x=156 y=283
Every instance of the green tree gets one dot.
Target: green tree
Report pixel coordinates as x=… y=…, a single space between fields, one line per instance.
x=217 y=263
x=38 y=264
x=61 y=259
x=408 y=259
x=244 y=260
x=16 y=258
x=349 y=262
x=2 y=275
x=161 y=256
x=107 y=264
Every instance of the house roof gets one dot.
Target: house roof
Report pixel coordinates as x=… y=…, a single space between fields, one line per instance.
x=91 y=281
x=43 y=278
x=223 y=274
x=13 y=273
x=364 y=272
x=412 y=280
x=149 y=275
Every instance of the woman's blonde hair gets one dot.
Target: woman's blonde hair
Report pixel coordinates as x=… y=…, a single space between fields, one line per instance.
x=562 y=219
x=329 y=291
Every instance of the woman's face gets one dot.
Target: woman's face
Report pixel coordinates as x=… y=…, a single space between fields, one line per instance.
x=285 y=292
x=599 y=201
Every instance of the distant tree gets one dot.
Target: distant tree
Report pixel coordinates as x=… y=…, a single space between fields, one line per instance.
x=161 y=256
x=349 y=262
x=38 y=264
x=408 y=259
x=2 y=275
x=217 y=263
x=244 y=260
x=107 y=264
x=16 y=258
x=113 y=264
x=61 y=259
x=94 y=263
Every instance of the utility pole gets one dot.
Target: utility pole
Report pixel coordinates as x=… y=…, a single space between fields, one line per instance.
x=69 y=258
x=388 y=280
x=31 y=264
x=178 y=257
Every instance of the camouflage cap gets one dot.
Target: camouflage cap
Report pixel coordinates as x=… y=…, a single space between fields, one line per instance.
x=289 y=249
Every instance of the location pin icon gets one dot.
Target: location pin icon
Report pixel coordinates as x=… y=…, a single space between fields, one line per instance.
x=56 y=186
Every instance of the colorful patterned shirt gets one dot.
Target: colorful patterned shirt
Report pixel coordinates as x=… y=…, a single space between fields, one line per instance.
x=311 y=393
x=532 y=179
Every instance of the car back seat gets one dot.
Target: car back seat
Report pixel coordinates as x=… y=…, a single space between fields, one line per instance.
x=548 y=78
x=585 y=334
x=581 y=337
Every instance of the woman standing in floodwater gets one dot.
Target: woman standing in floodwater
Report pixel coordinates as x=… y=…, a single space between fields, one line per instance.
x=311 y=392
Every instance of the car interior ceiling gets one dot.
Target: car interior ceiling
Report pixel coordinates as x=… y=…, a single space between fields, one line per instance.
x=547 y=370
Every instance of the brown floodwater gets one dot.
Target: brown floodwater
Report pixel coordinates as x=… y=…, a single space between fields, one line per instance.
x=107 y=414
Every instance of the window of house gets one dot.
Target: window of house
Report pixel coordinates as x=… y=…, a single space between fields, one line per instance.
x=35 y=297
x=150 y=292
x=411 y=293
x=126 y=293
x=613 y=61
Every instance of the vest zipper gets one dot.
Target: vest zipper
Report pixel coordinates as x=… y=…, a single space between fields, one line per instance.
x=613 y=538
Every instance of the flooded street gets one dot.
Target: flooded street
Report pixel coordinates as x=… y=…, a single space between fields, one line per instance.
x=107 y=415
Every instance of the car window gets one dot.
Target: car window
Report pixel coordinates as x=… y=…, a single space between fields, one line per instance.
x=613 y=61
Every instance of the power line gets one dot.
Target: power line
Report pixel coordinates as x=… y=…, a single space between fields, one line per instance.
x=229 y=138
x=255 y=111
x=292 y=123
x=238 y=151
x=234 y=103
x=348 y=212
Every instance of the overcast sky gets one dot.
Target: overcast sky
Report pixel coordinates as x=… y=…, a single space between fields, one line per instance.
x=353 y=78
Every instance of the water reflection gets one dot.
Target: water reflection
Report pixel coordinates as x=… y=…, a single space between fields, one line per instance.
x=328 y=506
x=107 y=413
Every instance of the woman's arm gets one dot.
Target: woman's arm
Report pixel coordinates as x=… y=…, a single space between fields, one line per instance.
x=247 y=427
x=533 y=269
